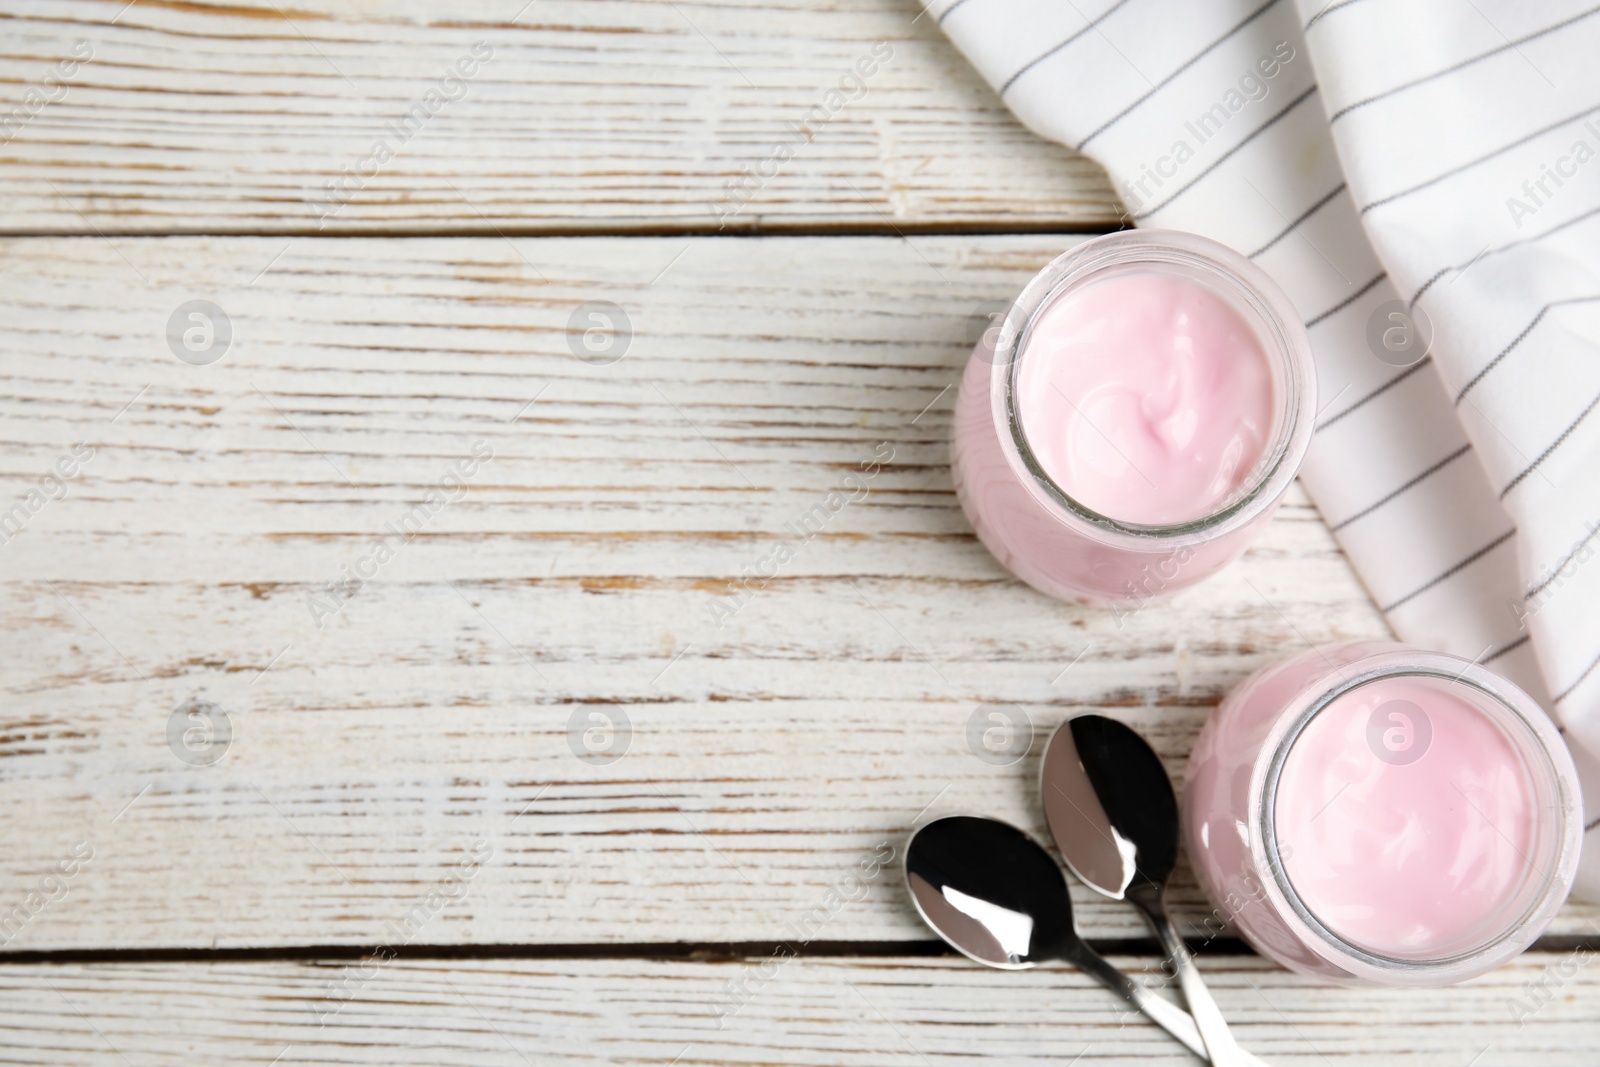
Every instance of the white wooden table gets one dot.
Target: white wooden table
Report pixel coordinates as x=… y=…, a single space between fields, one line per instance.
x=527 y=791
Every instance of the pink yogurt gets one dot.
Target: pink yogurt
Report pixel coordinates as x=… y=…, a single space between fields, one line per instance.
x=1370 y=811
x=1135 y=421
x=1146 y=397
x=1409 y=815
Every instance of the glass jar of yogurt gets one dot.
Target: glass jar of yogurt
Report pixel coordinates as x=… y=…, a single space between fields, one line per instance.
x=1135 y=419
x=1374 y=812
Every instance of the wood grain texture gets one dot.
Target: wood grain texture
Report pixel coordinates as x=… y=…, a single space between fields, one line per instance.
x=575 y=574
x=821 y=1012
x=406 y=764
x=632 y=116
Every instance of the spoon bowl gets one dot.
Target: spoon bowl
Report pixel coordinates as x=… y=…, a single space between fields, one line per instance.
x=991 y=891
x=1110 y=806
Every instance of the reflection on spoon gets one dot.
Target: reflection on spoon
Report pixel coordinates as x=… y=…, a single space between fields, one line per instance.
x=1012 y=930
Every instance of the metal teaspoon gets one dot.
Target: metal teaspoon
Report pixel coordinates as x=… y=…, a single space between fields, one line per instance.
x=994 y=894
x=1114 y=816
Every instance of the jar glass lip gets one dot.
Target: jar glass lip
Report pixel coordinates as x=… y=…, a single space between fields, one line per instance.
x=1233 y=277
x=1536 y=741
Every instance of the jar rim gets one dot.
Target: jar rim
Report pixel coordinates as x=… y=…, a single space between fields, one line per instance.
x=1538 y=743
x=1284 y=340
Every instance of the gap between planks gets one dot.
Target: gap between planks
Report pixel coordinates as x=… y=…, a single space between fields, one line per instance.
x=1143 y=947
x=765 y=229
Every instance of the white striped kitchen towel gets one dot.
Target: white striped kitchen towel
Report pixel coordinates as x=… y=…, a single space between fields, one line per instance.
x=1423 y=178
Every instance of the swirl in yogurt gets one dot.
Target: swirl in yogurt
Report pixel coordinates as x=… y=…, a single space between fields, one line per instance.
x=1146 y=397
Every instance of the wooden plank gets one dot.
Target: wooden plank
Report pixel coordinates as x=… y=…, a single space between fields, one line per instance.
x=252 y=117
x=374 y=747
x=827 y=1012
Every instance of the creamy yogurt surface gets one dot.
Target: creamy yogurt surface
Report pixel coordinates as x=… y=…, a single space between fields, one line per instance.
x=1146 y=397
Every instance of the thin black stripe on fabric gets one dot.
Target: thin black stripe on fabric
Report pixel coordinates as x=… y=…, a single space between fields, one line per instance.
x=1530 y=468
x=1412 y=303
x=1347 y=301
x=1426 y=78
x=1191 y=61
x=1509 y=646
x=1424 y=476
x=1379 y=391
x=1526 y=330
x=1565 y=693
x=1036 y=60
x=1325 y=12
x=947 y=11
x=1555 y=571
x=1486 y=253
x=1253 y=134
x=1502 y=150
x=1495 y=362
x=1303 y=216
x=1469 y=561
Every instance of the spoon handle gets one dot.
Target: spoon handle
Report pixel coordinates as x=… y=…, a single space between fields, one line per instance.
x=1165 y=1014
x=1221 y=1048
